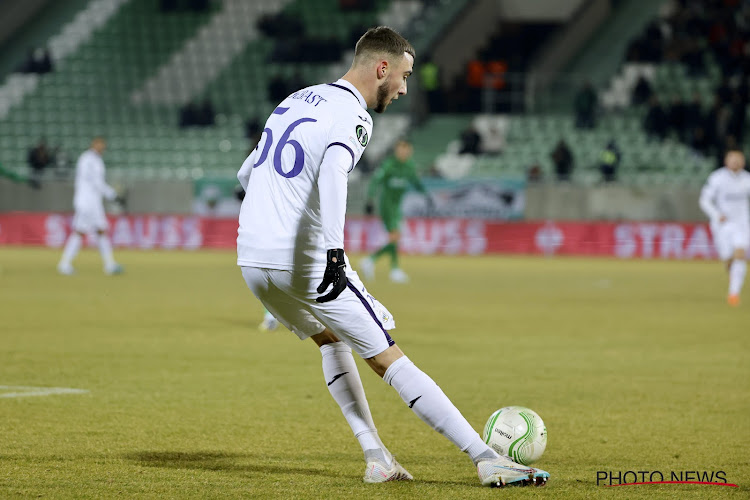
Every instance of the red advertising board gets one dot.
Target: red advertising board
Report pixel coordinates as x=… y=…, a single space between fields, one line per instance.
x=419 y=236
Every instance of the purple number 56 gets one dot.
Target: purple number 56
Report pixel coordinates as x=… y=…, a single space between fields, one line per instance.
x=299 y=154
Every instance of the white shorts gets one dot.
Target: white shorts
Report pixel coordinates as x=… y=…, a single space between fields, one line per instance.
x=728 y=237
x=354 y=316
x=90 y=218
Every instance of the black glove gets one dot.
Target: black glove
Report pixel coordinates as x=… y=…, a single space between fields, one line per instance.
x=239 y=193
x=369 y=208
x=335 y=274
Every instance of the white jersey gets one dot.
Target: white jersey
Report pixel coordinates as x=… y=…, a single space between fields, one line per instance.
x=726 y=193
x=90 y=184
x=295 y=179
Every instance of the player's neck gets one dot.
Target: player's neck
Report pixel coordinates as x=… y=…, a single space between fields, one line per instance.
x=368 y=94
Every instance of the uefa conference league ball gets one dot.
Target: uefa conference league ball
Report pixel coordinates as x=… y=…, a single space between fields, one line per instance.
x=517 y=432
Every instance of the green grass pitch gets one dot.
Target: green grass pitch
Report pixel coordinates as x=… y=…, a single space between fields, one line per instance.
x=633 y=365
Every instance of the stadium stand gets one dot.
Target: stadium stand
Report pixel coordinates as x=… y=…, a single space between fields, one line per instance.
x=679 y=71
x=124 y=69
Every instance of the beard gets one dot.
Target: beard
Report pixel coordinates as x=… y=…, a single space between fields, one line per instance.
x=382 y=96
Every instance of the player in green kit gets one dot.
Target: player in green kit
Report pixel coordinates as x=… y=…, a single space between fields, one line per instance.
x=394 y=178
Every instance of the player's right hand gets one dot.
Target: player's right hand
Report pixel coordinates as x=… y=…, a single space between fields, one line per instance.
x=335 y=274
x=369 y=208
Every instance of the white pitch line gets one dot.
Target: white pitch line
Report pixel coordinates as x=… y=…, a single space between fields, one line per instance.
x=22 y=391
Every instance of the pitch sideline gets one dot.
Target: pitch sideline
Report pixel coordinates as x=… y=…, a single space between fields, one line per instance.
x=22 y=391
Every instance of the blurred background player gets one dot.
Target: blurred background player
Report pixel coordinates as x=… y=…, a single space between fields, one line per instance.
x=90 y=190
x=724 y=199
x=395 y=176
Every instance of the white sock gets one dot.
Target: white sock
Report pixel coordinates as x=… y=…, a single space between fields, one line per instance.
x=430 y=404
x=344 y=384
x=105 y=249
x=737 y=276
x=72 y=246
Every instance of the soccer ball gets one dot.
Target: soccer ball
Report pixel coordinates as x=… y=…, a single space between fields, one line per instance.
x=517 y=432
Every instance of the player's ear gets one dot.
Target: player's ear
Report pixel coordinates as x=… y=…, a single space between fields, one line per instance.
x=382 y=69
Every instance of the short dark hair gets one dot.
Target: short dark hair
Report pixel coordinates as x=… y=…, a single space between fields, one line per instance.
x=382 y=40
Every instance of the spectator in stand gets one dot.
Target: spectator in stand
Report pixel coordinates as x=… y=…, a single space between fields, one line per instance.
x=493 y=142
x=495 y=74
x=206 y=114
x=429 y=81
x=194 y=114
x=676 y=119
x=470 y=142
x=737 y=117
x=610 y=162
x=534 y=174
x=563 y=160
x=38 y=61
x=475 y=72
x=694 y=113
x=188 y=115
x=642 y=91
x=700 y=142
x=724 y=91
x=585 y=106
x=654 y=43
x=711 y=123
x=655 y=123
x=693 y=59
x=39 y=158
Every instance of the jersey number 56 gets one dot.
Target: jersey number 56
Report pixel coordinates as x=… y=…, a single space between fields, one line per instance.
x=299 y=154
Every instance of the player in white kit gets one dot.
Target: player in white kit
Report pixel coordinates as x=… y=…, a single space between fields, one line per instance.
x=90 y=190
x=724 y=199
x=291 y=236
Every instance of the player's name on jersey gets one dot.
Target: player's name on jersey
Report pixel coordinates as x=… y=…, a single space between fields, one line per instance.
x=309 y=97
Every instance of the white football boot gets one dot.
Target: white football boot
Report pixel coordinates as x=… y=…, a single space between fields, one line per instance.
x=114 y=270
x=379 y=472
x=65 y=270
x=269 y=324
x=399 y=276
x=502 y=471
x=367 y=266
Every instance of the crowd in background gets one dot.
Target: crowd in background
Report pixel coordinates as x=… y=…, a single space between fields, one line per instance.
x=694 y=32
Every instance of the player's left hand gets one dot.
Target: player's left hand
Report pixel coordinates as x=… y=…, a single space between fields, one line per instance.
x=335 y=274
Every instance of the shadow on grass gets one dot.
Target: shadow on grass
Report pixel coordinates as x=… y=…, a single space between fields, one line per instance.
x=249 y=463
x=222 y=461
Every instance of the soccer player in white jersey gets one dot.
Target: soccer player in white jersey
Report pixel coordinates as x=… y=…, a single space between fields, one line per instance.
x=290 y=247
x=90 y=190
x=724 y=199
